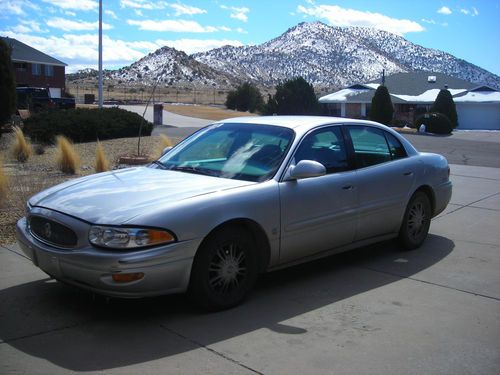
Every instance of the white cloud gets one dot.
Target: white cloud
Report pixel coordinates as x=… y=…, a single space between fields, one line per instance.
x=237 y=13
x=181 y=9
x=432 y=22
x=16 y=7
x=80 y=51
x=241 y=31
x=338 y=16
x=70 y=13
x=143 y=4
x=473 y=12
x=69 y=25
x=444 y=10
x=26 y=26
x=178 y=26
x=74 y=4
x=191 y=46
x=111 y=14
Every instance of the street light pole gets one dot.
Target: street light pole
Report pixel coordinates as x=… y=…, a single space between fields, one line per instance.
x=100 y=55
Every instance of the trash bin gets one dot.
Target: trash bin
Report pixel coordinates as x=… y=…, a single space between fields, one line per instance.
x=158 y=114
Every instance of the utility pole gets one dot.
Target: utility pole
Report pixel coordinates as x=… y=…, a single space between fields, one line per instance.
x=100 y=55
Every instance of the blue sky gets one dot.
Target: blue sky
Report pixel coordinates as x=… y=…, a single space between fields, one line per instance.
x=67 y=29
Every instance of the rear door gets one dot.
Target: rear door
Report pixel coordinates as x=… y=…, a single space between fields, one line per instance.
x=384 y=179
x=318 y=213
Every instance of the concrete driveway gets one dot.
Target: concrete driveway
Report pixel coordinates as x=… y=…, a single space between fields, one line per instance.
x=376 y=310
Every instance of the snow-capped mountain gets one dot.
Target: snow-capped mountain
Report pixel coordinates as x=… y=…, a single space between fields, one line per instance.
x=336 y=56
x=328 y=57
x=171 y=67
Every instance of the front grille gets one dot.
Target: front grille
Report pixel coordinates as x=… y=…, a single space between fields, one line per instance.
x=52 y=232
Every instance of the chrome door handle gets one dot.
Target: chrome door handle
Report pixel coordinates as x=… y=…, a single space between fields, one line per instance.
x=347 y=187
x=408 y=173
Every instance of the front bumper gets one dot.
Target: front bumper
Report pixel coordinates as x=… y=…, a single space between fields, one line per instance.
x=166 y=268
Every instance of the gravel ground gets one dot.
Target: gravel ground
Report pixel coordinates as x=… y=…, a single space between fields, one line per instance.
x=40 y=172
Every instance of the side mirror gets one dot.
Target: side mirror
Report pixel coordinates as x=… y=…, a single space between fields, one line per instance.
x=165 y=150
x=306 y=169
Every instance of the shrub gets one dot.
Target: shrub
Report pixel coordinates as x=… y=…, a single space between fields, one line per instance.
x=68 y=160
x=381 y=109
x=7 y=84
x=444 y=104
x=294 y=97
x=22 y=149
x=86 y=125
x=101 y=162
x=434 y=123
x=164 y=143
x=246 y=97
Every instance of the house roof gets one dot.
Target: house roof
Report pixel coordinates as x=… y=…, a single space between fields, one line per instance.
x=23 y=53
x=413 y=88
x=416 y=83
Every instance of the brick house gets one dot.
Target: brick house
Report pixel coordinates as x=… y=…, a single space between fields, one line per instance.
x=36 y=69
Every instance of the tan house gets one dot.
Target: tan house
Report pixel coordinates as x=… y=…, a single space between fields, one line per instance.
x=478 y=107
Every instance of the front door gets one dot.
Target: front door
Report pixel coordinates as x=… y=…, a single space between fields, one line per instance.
x=318 y=213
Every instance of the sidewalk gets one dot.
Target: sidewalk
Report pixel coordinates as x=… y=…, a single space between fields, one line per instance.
x=372 y=311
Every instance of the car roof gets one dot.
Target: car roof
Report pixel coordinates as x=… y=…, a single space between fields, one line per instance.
x=296 y=122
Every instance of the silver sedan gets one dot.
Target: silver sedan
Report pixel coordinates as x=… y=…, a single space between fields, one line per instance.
x=237 y=198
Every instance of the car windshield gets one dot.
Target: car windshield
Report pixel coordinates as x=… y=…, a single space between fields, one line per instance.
x=238 y=151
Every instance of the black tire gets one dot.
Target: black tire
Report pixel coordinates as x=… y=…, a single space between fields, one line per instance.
x=224 y=270
x=416 y=221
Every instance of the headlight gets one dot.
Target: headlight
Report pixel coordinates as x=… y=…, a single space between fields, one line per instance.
x=128 y=238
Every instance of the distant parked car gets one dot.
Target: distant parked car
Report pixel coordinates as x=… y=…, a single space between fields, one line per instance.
x=38 y=99
x=237 y=198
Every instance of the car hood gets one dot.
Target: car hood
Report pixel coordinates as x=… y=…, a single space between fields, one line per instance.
x=118 y=196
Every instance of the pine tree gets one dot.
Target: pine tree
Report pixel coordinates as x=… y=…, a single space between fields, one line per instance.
x=445 y=105
x=294 y=97
x=381 y=109
x=7 y=84
x=246 y=97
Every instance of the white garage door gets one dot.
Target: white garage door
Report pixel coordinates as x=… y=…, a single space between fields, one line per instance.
x=478 y=115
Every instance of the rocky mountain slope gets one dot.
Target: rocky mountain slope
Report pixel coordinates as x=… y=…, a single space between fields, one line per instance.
x=328 y=57
x=336 y=57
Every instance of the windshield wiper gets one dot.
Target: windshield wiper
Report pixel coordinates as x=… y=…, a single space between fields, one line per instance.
x=195 y=170
x=159 y=163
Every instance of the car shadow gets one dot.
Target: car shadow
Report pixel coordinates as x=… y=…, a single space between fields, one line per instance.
x=76 y=331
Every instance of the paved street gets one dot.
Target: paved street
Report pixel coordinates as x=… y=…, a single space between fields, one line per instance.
x=376 y=310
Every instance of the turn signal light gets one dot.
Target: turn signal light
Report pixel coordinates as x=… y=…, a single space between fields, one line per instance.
x=127 y=277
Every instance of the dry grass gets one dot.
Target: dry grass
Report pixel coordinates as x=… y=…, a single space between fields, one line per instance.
x=40 y=172
x=101 y=162
x=4 y=184
x=68 y=160
x=22 y=149
x=205 y=112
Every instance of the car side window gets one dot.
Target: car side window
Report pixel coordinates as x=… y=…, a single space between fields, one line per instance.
x=395 y=146
x=370 y=146
x=326 y=146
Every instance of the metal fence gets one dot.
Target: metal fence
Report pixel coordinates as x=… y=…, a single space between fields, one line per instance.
x=141 y=94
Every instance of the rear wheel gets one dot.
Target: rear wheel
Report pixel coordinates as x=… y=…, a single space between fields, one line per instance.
x=416 y=221
x=224 y=269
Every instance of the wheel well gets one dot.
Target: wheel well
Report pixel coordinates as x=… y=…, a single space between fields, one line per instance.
x=259 y=235
x=427 y=190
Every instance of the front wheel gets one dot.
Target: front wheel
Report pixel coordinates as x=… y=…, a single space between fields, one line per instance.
x=416 y=221
x=224 y=270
